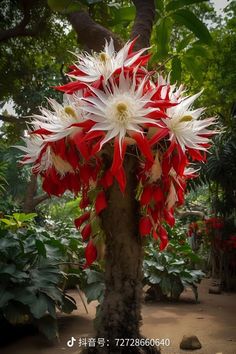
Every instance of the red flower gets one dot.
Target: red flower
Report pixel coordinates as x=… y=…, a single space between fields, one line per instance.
x=90 y=254
x=145 y=226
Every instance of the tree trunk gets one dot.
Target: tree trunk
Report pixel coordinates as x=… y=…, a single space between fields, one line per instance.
x=120 y=314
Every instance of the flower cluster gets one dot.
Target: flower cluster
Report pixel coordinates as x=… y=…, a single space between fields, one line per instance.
x=112 y=104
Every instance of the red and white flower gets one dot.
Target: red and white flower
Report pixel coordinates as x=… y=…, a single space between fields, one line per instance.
x=113 y=102
x=92 y=67
x=62 y=120
x=185 y=128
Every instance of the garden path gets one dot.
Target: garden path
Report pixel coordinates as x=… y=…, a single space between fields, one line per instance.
x=213 y=320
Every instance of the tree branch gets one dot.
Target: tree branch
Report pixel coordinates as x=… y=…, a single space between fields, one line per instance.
x=39 y=199
x=13 y=119
x=21 y=29
x=91 y=34
x=145 y=14
x=183 y=214
x=31 y=200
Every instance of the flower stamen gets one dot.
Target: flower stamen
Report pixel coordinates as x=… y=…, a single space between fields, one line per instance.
x=70 y=111
x=103 y=57
x=186 y=118
x=122 y=112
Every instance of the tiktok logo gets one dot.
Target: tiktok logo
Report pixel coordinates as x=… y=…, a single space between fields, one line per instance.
x=71 y=342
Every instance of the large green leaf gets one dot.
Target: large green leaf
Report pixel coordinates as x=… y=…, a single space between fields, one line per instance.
x=40 y=306
x=177 y=4
x=176 y=70
x=163 y=31
x=189 y=20
x=125 y=13
x=40 y=248
x=165 y=285
x=176 y=289
x=94 y=291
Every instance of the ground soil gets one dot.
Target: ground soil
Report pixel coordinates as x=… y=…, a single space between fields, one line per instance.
x=212 y=320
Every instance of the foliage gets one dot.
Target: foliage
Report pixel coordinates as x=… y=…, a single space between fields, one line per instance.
x=94 y=287
x=34 y=71
x=3 y=181
x=30 y=275
x=181 y=38
x=170 y=270
x=12 y=172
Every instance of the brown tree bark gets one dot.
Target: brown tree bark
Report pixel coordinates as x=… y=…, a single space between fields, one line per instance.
x=31 y=199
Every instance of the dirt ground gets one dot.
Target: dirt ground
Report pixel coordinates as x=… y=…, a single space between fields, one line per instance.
x=212 y=320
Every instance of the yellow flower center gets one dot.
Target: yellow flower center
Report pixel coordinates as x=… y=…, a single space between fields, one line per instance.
x=70 y=111
x=122 y=112
x=186 y=119
x=103 y=57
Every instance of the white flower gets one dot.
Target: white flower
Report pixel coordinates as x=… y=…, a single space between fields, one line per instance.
x=42 y=156
x=62 y=119
x=121 y=108
x=92 y=67
x=184 y=127
x=173 y=92
x=34 y=145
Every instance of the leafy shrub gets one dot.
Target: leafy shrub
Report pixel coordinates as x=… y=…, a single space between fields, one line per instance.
x=168 y=272
x=30 y=275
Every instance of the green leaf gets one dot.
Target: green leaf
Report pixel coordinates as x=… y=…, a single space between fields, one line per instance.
x=193 y=67
x=178 y=262
x=48 y=326
x=174 y=270
x=150 y=263
x=93 y=276
x=94 y=291
x=177 y=4
x=64 y=6
x=189 y=20
x=165 y=285
x=39 y=307
x=183 y=44
x=40 y=248
x=22 y=217
x=68 y=304
x=198 y=51
x=163 y=31
x=124 y=14
x=159 y=4
x=154 y=279
x=176 y=289
x=176 y=70
x=8 y=242
x=8 y=222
